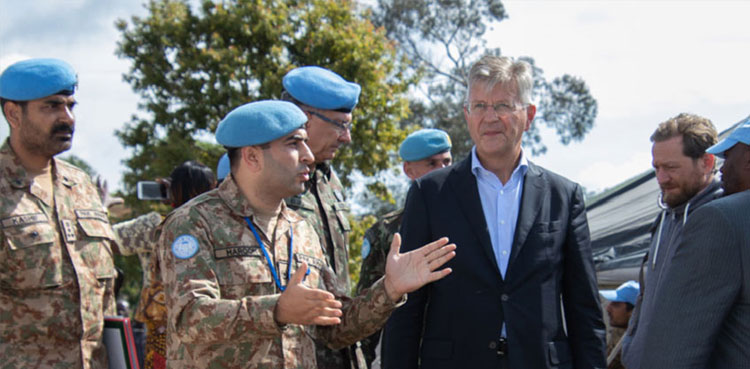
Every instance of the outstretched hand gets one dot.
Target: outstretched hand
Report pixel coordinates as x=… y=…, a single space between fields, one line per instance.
x=107 y=200
x=300 y=304
x=407 y=272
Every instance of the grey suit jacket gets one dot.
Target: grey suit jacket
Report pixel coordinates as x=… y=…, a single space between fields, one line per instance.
x=702 y=319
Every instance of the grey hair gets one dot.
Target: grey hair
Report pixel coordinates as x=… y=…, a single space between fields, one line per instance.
x=491 y=70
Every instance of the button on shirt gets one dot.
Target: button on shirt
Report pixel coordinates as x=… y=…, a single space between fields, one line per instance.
x=500 y=203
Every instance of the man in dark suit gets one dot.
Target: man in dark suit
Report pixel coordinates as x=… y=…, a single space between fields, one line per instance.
x=702 y=317
x=523 y=290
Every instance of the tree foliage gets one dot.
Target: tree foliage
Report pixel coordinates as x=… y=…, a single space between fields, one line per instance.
x=82 y=164
x=191 y=66
x=443 y=38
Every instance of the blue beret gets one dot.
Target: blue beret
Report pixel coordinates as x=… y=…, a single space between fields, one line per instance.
x=259 y=122
x=222 y=169
x=424 y=143
x=321 y=88
x=740 y=134
x=37 y=78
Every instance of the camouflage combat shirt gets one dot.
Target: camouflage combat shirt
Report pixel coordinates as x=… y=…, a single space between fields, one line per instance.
x=138 y=236
x=324 y=206
x=56 y=268
x=221 y=300
x=375 y=248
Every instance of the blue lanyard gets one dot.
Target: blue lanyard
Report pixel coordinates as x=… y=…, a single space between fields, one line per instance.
x=268 y=258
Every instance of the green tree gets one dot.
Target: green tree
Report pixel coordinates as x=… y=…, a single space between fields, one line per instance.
x=443 y=38
x=191 y=66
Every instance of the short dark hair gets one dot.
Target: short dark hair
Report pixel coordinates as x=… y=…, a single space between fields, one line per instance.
x=233 y=153
x=698 y=133
x=629 y=306
x=189 y=180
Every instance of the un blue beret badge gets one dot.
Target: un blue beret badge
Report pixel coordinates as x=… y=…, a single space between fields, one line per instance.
x=365 y=248
x=185 y=246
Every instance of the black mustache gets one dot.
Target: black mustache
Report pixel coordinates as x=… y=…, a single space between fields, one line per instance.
x=62 y=128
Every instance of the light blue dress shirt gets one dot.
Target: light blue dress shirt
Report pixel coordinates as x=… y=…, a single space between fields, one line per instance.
x=500 y=203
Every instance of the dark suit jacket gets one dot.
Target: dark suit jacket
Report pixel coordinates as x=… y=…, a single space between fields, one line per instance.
x=702 y=317
x=455 y=322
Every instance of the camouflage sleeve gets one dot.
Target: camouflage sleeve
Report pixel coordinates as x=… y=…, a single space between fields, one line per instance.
x=196 y=311
x=136 y=235
x=363 y=315
x=375 y=247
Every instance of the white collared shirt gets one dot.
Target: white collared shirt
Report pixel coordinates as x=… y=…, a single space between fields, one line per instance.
x=500 y=203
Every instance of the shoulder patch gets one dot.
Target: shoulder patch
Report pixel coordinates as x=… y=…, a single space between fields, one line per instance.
x=185 y=246
x=365 y=248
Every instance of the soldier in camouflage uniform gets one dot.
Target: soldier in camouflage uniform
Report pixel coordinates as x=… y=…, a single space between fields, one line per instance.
x=328 y=100
x=422 y=151
x=56 y=268
x=246 y=280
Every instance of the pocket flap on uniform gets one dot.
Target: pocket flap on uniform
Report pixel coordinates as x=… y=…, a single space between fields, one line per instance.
x=29 y=234
x=95 y=224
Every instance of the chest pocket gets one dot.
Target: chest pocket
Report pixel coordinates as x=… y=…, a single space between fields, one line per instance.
x=95 y=242
x=33 y=259
x=342 y=209
x=242 y=271
x=314 y=265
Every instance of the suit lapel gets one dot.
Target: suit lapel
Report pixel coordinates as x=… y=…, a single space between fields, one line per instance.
x=464 y=184
x=531 y=203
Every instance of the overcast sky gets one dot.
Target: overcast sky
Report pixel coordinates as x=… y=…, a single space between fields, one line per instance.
x=644 y=61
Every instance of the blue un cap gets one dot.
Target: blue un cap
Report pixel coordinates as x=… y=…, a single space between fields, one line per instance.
x=740 y=134
x=259 y=122
x=222 y=169
x=627 y=292
x=424 y=143
x=37 y=78
x=321 y=88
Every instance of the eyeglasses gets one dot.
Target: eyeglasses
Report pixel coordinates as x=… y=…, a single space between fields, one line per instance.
x=342 y=125
x=501 y=109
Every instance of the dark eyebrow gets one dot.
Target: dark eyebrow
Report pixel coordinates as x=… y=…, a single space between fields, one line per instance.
x=296 y=137
x=59 y=101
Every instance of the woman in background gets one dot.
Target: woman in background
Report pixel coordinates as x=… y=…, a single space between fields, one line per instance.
x=186 y=181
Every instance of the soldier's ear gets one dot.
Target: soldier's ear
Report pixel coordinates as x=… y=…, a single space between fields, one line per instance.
x=408 y=170
x=13 y=114
x=252 y=157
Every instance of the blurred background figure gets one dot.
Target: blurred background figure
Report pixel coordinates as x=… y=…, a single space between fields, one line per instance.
x=186 y=181
x=422 y=151
x=620 y=307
